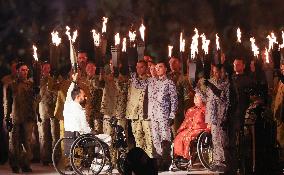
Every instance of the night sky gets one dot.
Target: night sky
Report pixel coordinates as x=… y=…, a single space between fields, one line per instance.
x=27 y=22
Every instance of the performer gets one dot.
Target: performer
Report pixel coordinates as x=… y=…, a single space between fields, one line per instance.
x=48 y=126
x=136 y=112
x=193 y=124
x=184 y=92
x=162 y=106
x=19 y=110
x=217 y=103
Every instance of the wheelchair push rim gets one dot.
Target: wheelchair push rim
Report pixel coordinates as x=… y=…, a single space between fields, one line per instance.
x=87 y=155
x=205 y=149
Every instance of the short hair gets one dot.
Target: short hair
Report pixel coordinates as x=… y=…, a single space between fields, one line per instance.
x=162 y=62
x=240 y=59
x=218 y=66
x=76 y=91
x=20 y=64
x=142 y=61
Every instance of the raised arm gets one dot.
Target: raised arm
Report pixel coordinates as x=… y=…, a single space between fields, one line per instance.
x=71 y=87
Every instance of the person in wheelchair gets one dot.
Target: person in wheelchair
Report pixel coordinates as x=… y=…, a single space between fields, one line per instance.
x=192 y=126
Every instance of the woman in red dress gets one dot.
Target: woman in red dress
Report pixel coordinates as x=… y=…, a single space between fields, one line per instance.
x=193 y=124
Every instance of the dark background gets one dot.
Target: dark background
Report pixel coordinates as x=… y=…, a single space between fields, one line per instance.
x=27 y=22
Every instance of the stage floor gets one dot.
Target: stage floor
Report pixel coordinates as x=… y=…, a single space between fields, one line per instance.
x=38 y=169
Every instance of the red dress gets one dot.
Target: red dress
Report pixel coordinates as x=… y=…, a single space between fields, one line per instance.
x=193 y=124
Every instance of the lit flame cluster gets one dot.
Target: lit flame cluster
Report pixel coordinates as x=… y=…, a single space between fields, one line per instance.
x=254 y=48
x=74 y=36
x=35 y=53
x=217 y=42
x=271 y=41
x=181 y=43
x=56 y=40
x=194 y=44
x=123 y=49
x=132 y=36
x=239 y=35
x=116 y=39
x=170 y=51
x=142 y=31
x=96 y=36
x=205 y=43
x=282 y=45
x=105 y=19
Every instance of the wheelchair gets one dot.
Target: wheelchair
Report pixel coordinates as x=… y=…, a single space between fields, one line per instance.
x=89 y=153
x=201 y=151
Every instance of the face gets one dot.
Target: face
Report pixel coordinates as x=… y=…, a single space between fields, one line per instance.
x=239 y=66
x=161 y=69
x=216 y=73
x=174 y=64
x=153 y=71
x=82 y=58
x=45 y=69
x=82 y=97
x=252 y=66
x=282 y=68
x=23 y=72
x=198 y=100
x=91 y=69
x=141 y=69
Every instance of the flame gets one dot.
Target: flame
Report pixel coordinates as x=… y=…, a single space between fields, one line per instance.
x=116 y=39
x=170 y=51
x=271 y=39
x=217 y=42
x=194 y=44
x=205 y=43
x=142 y=31
x=254 y=48
x=35 y=53
x=75 y=34
x=105 y=19
x=239 y=35
x=96 y=37
x=181 y=43
x=282 y=45
x=132 y=35
x=123 y=45
x=266 y=55
x=56 y=40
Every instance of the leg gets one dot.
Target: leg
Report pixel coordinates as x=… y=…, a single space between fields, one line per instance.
x=45 y=140
x=148 y=147
x=27 y=154
x=138 y=133
x=156 y=138
x=55 y=130
x=107 y=129
x=218 y=147
x=98 y=124
x=14 y=147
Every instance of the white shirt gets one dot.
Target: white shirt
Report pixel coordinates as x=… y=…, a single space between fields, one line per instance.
x=74 y=115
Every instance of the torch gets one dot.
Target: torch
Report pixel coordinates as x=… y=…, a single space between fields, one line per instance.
x=182 y=55
x=36 y=68
x=73 y=55
x=275 y=53
x=204 y=58
x=217 y=54
x=54 y=51
x=132 y=51
x=170 y=50
x=97 y=48
x=115 y=50
x=141 y=44
x=193 y=52
x=104 y=38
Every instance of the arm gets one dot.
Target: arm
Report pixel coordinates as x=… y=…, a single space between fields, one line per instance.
x=71 y=87
x=139 y=84
x=173 y=99
x=187 y=93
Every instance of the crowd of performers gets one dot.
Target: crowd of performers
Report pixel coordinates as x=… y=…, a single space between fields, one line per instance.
x=154 y=102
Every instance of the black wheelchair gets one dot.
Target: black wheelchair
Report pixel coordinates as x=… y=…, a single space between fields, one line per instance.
x=201 y=151
x=89 y=153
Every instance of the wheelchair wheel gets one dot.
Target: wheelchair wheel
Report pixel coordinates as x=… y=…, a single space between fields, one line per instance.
x=205 y=149
x=87 y=155
x=61 y=161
